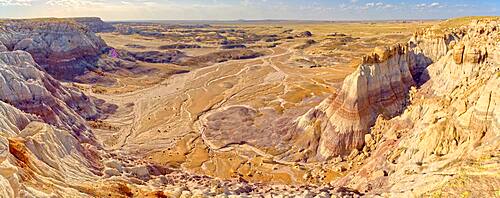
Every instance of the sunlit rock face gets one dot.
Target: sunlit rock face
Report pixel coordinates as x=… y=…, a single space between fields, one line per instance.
x=380 y=87
x=44 y=140
x=35 y=155
x=62 y=47
x=452 y=124
x=24 y=85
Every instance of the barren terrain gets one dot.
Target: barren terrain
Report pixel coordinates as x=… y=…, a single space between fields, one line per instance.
x=163 y=121
x=249 y=108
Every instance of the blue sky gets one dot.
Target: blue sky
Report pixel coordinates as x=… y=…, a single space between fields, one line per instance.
x=249 y=9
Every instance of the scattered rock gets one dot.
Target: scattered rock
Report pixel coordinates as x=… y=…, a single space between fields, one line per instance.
x=304 y=34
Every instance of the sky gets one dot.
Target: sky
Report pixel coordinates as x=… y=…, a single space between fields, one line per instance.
x=332 y=10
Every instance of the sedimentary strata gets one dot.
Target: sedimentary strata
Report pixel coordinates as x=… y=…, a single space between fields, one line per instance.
x=379 y=87
x=24 y=85
x=60 y=46
x=449 y=133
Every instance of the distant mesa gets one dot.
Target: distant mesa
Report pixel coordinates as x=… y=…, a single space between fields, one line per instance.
x=233 y=46
x=94 y=24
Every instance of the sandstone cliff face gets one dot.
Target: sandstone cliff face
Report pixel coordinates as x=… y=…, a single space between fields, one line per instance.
x=446 y=142
x=45 y=145
x=25 y=86
x=60 y=46
x=380 y=87
x=46 y=148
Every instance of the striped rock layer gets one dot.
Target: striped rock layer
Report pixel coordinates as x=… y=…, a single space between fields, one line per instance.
x=24 y=85
x=379 y=86
x=62 y=47
x=450 y=131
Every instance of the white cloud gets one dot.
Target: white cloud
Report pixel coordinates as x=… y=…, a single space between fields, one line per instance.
x=388 y=6
x=74 y=3
x=15 y=2
x=377 y=5
x=431 y=5
x=435 y=4
x=422 y=5
x=126 y=3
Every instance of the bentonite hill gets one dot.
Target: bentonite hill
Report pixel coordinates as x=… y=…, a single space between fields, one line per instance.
x=249 y=108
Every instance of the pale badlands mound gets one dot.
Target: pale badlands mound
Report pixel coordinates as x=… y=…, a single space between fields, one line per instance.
x=414 y=119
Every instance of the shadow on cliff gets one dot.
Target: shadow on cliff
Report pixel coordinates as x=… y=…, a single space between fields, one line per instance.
x=419 y=72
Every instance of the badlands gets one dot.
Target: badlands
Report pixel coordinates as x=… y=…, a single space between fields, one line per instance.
x=250 y=108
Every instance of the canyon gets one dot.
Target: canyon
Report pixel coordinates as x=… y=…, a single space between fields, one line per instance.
x=151 y=109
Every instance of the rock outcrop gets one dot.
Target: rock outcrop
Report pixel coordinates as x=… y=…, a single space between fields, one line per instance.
x=304 y=34
x=95 y=24
x=24 y=85
x=61 y=46
x=44 y=140
x=380 y=87
x=446 y=141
